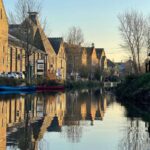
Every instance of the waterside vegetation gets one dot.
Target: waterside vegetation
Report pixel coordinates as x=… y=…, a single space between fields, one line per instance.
x=135 y=88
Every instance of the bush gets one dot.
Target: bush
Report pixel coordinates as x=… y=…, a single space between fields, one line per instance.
x=46 y=82
x=132 y=86
x=81 y=84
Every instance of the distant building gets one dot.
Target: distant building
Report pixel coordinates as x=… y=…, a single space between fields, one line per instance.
x=73 y=59
x=125 y=68
x=80 y=59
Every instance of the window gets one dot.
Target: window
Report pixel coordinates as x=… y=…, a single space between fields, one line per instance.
x=61 y=64
x=3 y=54
x=1 y=13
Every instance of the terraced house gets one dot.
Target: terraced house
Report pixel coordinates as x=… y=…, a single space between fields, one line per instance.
x=85 y=60
x=58 y=46
x=3 y=38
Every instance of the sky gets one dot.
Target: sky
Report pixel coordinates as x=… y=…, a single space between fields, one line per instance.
x=97 y=19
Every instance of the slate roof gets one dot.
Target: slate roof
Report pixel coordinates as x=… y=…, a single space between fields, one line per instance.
x=99 y=52
x=110 y=63
x=18 y=42
x=56 y=42
x=40 y=37
x=89 y=50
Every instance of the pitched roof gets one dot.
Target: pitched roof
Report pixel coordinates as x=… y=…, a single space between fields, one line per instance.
x=56 y=42
x=89 y=50
x=99 y=52
x=17 y=42
x=110 y=63
x=40 y=37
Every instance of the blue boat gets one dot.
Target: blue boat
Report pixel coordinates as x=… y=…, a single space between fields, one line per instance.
x=17 y=88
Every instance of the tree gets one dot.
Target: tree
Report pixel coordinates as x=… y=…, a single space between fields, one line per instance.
x=132 y=29
x=23 y=29
x=84 y=72
x=97 y=73
x=75 y=36
x=22 y=8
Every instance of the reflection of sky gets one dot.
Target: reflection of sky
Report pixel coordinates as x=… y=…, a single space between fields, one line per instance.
x=104 y=135
x=97 y=18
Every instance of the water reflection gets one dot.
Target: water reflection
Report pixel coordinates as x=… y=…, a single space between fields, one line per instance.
x=29 y=121
x=137 y=132
x=25 y=118
x=136 y=136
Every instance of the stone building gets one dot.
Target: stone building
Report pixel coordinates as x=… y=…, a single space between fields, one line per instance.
x=17 y=56
x=73 y=59
x=38 y=39
x=3 y=38
x=102 y=58
x=58 y=46
x=85 y=59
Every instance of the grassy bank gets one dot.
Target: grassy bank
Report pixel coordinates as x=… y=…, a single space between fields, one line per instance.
x=135 y=88
x=44 y=82
x=70 y=84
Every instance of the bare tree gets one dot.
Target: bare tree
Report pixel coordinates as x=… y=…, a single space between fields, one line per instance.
x=132 y=29
x=22 y=7
x=75 y=36
x=147 y=35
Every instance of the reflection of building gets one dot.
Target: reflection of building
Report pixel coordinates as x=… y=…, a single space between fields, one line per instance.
x=15 y=111
x=3 y=125
x=34 y=115
x=85 y=106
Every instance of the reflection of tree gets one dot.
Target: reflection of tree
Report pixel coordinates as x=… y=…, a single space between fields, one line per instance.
x=74 y=133
x=136 y=137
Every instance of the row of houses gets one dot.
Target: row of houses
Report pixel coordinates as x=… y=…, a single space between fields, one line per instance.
x=23 y=45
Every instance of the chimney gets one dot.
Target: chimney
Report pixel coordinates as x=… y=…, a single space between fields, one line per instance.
x=93 y=45
x=32 y=16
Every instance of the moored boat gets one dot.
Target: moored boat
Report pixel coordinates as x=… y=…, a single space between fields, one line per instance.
x=50 y=88
x=17 y=88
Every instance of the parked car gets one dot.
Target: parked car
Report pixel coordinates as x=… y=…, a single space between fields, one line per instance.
x=4 y=74
x=10 y=75
x=13 y=75
x=21 y=75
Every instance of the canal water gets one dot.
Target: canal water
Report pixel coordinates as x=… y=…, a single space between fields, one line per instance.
x=75 y=120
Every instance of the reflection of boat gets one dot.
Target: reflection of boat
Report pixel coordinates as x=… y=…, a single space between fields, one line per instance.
x=50 y=88
x=17 y=88
x=15 y=92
